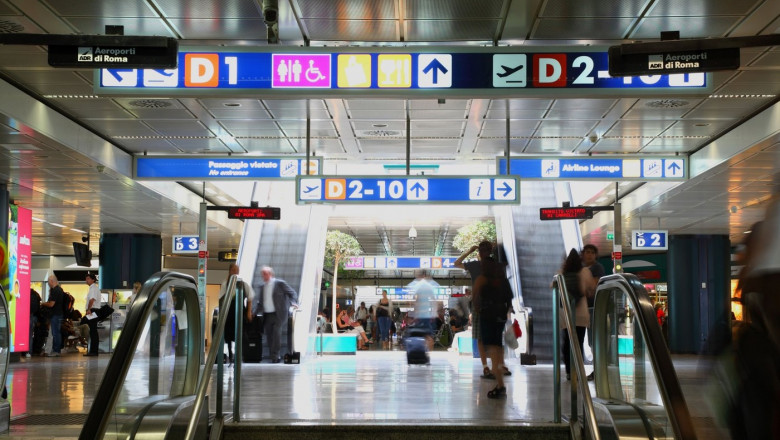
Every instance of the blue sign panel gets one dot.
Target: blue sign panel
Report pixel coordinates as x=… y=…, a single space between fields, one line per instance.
x=408 y=189
x=222 y=168
x=649 y=240
x=350 y=71
x=384 y=262
x=597 y=168
x=185 y=244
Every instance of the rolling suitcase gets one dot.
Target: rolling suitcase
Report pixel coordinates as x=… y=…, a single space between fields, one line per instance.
x=416 y=347
x=252 y=341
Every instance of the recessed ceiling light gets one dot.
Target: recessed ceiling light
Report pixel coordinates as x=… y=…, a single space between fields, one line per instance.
x=701 y=125
x=232 y=104
x=58 y=225
x=379 y=125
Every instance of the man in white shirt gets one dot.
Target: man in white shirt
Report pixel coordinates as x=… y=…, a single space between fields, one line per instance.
x=92 y=302
x=274 y=299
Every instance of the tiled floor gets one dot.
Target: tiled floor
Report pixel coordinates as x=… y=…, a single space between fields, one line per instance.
x=372 y=385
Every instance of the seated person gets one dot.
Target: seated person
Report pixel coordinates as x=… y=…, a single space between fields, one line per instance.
x=457 y=323
x=344 y=322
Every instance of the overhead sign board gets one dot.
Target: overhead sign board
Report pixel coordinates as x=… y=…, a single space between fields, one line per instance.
x=185 y=244
x=566 y=213
x=467 y=71
x=222 y=168
x=384 y=262
x=615 y=168
x=671 y=62
x=96 y=56
x=408 y=189
x=649 y=240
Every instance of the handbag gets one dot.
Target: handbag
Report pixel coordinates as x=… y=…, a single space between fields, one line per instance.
x=509 y=336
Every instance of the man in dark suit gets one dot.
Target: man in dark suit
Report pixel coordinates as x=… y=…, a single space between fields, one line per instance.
x=274 y=299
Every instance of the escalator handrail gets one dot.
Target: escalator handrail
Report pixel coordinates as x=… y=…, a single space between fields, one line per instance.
x=578 y=363
x=122 y=358
x=226 y=297
x=660 y=359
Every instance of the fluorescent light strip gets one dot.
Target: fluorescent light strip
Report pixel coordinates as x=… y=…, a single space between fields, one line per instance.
x=38 y=220
x=59 y=225
x=78 y=230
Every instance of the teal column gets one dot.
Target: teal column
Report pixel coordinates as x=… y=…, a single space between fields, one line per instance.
x=699 y=293
x=127 y=258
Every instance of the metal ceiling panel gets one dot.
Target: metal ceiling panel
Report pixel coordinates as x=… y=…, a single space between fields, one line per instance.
x=133 y=26
x=351 y=30
x=495 y=147
x=209 y=9
x=214 y=146
x=101 y=8
x=51 y=90
x=701 y=7
x=319 y=132
x=49 y=76
x=593 y=8
x=638 y=128
x=220 y=29
x=517 y=127
x=300 y=114
x=575 y=28
x=438 y=114
x=280 y=146
x=565 y=128
x=224 y=113
x=453 y=9
x=772 y=89
x=121 y=127
x=347 y=9
x=500 y=114
x=179 y=128
x=320 y=146
x=179 y=114
x=770 y=58
x=13 y=24
x=237 y=104
x=555 y=145
x=292 y=124
x=358 y=125
x=440 y=133
x=521 y=104
x=631 y=145
x=143 y=145
x=692 y=127
x=689 y=27
x=672 y=145
x=451 y=30
x=354 y=105
x=378 y=115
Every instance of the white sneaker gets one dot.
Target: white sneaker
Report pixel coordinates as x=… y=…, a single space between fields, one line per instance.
x=27 y=355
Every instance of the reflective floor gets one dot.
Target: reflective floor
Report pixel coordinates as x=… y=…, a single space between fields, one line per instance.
x=372 y=385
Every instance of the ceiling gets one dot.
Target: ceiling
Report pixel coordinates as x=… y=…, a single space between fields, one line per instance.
x=85 y=185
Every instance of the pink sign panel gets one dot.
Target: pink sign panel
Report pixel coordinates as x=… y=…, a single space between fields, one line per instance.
x=354 y=263
x=300 y=71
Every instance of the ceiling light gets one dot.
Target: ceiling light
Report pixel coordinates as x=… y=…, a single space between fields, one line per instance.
x=58 y=225
x=38 y=220
x=412 y=233
x=222 y=198
x=232 y=104
x=78 y=230
x=379 y=125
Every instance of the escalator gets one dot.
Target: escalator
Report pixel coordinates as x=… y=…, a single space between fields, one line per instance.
x=154 y=385
x=637 y=393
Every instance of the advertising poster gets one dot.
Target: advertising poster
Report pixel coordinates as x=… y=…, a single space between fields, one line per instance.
x=19 y=260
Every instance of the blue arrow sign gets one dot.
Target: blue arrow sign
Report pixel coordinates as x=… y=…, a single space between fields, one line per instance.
x=614 y=168
x=223 y=168
x=408 y=189
x=116 y=73
x=435 y=66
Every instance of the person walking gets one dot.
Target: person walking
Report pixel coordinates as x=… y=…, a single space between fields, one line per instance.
x=384 y=309
x=493 y=299
x=579 y=285
x=275 y=299
x=230 y=323
x=92 y=306
x=589 y=255
x=56 y=297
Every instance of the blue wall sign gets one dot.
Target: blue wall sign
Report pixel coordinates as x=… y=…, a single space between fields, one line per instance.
x=384 y=262
x=393 y=71
x=649 y=240
x=617 y=168
x=222 y=168
x=185 y=244
x=408 y=189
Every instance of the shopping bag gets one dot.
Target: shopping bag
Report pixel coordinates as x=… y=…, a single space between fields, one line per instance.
x=509 y=336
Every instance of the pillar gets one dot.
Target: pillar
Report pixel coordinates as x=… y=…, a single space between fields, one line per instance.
x=127 y=258
x=699 y=293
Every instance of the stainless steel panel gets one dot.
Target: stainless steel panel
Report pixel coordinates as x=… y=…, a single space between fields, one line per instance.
x=593 y=8
x=451 y=30
x=577 y=29
x=453 y=9
x=348 y=9
x=351 y=30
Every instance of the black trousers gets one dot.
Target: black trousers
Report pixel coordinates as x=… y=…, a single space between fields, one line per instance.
x=94 y=339
x=567 y=349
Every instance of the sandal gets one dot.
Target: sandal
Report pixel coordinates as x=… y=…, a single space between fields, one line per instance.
x=497 y=393
x=486 y=374
x=506 y=371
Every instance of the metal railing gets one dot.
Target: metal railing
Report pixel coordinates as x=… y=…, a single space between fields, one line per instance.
x=142 y=309
x=580 y=379
x=234 y=290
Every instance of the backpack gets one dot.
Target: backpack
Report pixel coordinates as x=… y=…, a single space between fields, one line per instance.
x=495 y=300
